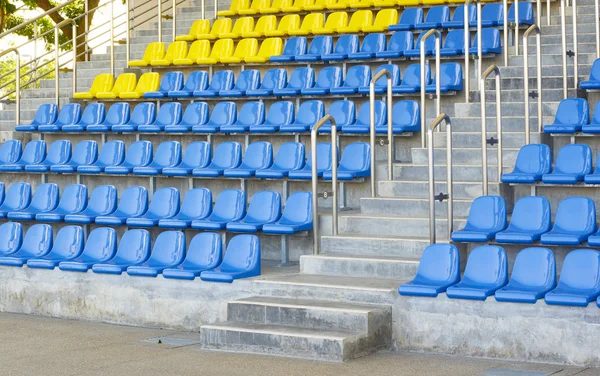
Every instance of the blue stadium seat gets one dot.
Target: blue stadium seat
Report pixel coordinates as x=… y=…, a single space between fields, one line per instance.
x=531 y=217
x=363 y=120
x=594 y=82
x=227 y=155
x=525 y=14
x=248 y=79
x=490 y=42
x=265 y=208
x=84 y=154
x=458 y=18
x=307 y=115
x=323 y=163
x=293 y=46
x=11 y=238
x=168 y=114
x=2 y=193
x=196 y=113
x=300 y=78
x=10 y=152
x=134 y=249
x=223 y=113
x=533 y=161
x=103 y=201
x=487 y=216
x=142 y=114
x=486 y=272
x=93 y=115
x=37 y=242
x=297 y=216
x=356 y=76
x=371 y=45
x=439 y=269
x=197 y=204
x=429 y=46
x=579 y=282
x=17 y=198
x=573 y=162
x=204 y=253
x=46 y=114
x=221 y=80
x=133 y=203
x=594 y=126
x=168 y=251
x=197 y=155
x=575 y=220
x=320 y=45
x=411 y=81
x=273 y=79
x=139 y=154
x=100 y=246
x=112 y=154
x=594 y=178
x=44 y=200
x=251 y=114
x=400 y=42
x=355 y=162
x=280 y=114
x=290 y=157
x=344 y=113
x=491 y=15
x=329 y=77
x=345 y=45
x=242 y=260
x=69 y=115
x=230 y=206
x=572 y=114
x=196 y=81
x=168 y=154
x=406 y=117
x=67 y=245
x=72 y=201
x=164 y=204
x=33 y=154
x=171 y=81
x=58 y=153
x=454 y=44
x=533 y=275
x=381 y=84
x=436 y=16
x=258 y=156
x=451 y=80
x=408 y=20
x=117 y=114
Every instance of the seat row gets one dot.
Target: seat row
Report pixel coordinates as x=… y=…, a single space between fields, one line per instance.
x=531 y=220
x=40 y=249
x=572 y=116
x=533 y=276
x=594 y=81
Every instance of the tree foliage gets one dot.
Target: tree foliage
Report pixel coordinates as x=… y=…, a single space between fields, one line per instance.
x=8 y=73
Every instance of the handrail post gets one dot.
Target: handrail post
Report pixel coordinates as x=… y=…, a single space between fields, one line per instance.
x=430 y=147
x=536 y=29
x=56 y=68
x=479 y=41
x=86 y=10
x=538 y=9
x=492 y=69
x=315 y=177
x=174 y=6
x=216 y=8
x=74 y=47
x=203 y=11
x=112 y=38
x=388 y=74
x=516 y=4
x=57 y=56
x=159 y=17
x=563 y=32
x=575 y=48
x=467 y=37
x=17 y=82
x=437 y=36
x=505 y=30
x=128 y=26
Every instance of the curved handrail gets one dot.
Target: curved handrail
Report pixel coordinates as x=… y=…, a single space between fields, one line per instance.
x=438 y=39
x=56 y=59
x=484 y=142
x=315 y=201
x=531 y=29
x=17 y=82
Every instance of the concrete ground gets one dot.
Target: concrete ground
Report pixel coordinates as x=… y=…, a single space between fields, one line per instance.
x=31 y=345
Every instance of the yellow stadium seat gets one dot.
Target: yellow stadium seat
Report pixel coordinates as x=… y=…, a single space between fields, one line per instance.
x=318 y=5
x=262 y=25
x=269 y=47
x=176 y=50
x=277 y=6
x=287 y=23
x=221 y=25
x=361 y=4
x=433 y=2
x=155 y=50
x=384 y=18
x=334 y=21
x=148 y=82
x=102 y=83
x=198 y=27
x=198 y=49
x=298 y=6
x=310 y=22
x=255 y=7
x=244 y=48
x=340 y=5
x=242 y=24
x=359 y=20
x=124 y=83
x=222 y=48
x=234 y=8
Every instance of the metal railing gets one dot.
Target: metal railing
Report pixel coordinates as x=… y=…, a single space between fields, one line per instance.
x=442 y=118
x=597 y=17
x=573 y=53
x=438 y=38
x=315 y=177
x=532 y=28
x=57 y=56
x=467 y=39
x=493 y=69
x=505 y=31
x=17 y=82
x=390 y=141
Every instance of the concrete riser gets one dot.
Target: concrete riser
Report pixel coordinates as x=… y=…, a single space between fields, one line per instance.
x=361 y=268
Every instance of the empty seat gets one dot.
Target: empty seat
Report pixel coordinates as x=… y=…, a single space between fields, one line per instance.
x=429 y=46
x=525 y=14
x=197 y=204
x=227 y=155
x=117 y=114
x=409 y=18
x=92 y=116
x=439 y=269
x=355 y=162
x=176 y=50
x=362 y=124
x=593 y=178
x=222 y=80
x=143 y=114
x=300 y=78
x=148 y=82
x=221 y=25
x=134 y=249
x=436 y=16
x=204 y=253
x=357 y=22
x=280 y=114
x=269 y=47
x=573 y=162
x=230 y=206
x=411 y=81
x=198 y=27
x=383 y=20
x=344 y=113
x=531 y=217
x=133 y=203
x=221 y=49
x=251 y=114
x=168 y=114
x=579 y=282
x=533 y=161
x=297 y=216
x=168 y=154
x=318 y=5
x=286 y=24
x=102 y=83
x=234 y=7
x=371 y=45
x=490 y=42
x=58 y=153
x=265 y=208
x=400 y=42
x=356 y=76
x=17 y=198
x=333 y=22
x=323 y=163
x=293 y=46
x=406 y=117
x=451 y=80
x=487 y=216
x=248 y=79
x=100 y=246
x=276 y=6
x=84 y=153
x=112 y=154
x=255 y=7
x=491 y=15
x=125 y=82
x=241 y=25
x=69 y=115
x=571 y=115
x=37 y=242
x=196 y=81
x=242 y=260
x=139 y=154
x=381 y=84
x=290 y=157
x=273 y=79
x=319 y=46
x=172 y=81
x=168 y=251
x=310 y=22
x=67 y=245
x=298 y=6
x=200 y=49
x=307 y=115
x=46 y=114
x=11 y=238
x=245 y=47
x=454 y=44
x=10 y=151
x=258 y=156
x=72 y=201
x=154 y=51
x=575 y=220
x=329 y=77
x=103 y=201
x=594 y=126
x=164 y=204
x=594 y=82
x=458 y=18
x=223 y=113
x=262 y=25
x=33 y=154
x=44 y=200
x=533 y=275
x=196 y=113
x=197 y=155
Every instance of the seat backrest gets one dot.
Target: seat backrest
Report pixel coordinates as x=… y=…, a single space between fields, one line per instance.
x=171 y=81
x=459 y=13
x=45 y=197
x=223 y=113
x=37 y=240
x=112 y=153
x=195 y=114
x=68 y=242
x=143 y=113
x=429 y=42
x=490 y=38
x=252 y=113
x=231 y=203
x=374 y=42
x=265 y=23
x=197 y=154
x=221 y=25
x=154 y=51
x=455 y=39
x=10 y=151
x=222 y=48
x=575 y=214
x=534 y=159
x=525 y=12
x=320 y=45
x=164 y=204
x=275 y=78
x=148 y=82
x=197 y=80
x=487 y=265
x=125 y=83
x=574 y=159
x=487 y=213
x=117 y=114
x=343 y=111
x=70 y=114
x=401 y=41
x=290 y=156
x=11 y=237
x=289 y=22
x=168 y=248
x=176 y=50
x=199 y=49
x=45 y=114
x=440 y=13
x=270 y=47
x=406 y=113
x=85 y=153
x=237 y=5
x=260 y=4
x=103 y=200
x=531 y=213
x=581 y=269
x=102 y=83
x=411 y=16
x=248 y=79
x=358 y=75
x=356 y=156
x=258 y=155
x=492 y=12
x=573 y=111
x=329 y=77
x=280 y=113
x=364 y=113
x=201 y=27
x=439 y=263
x=535 y=267
x=323 y=157
x=386 y=17
x=393 y=69
x=168 y=154
x=93 y=114
x=265 y=207
x=133 y=201
x=59 y=152
x=412 y=75
x=205 y=250
x=139 y=153
x=222 y=80
x=227 y=155
x=18 y=196
x=101 y=244
x=310 y=112
x=298 y=208
x=197 y=203
x=312 y=21
x=169 y=114
x=302 y=78
x=246 y=47
x=295 y=46
x=361 y=18
x=336 y=20
x=243 y=253
x=595 y=74
x=34 y=152
x=451 y=74
x=74 y=198
x=596 y=118
x=134 y=246
x=347 y=44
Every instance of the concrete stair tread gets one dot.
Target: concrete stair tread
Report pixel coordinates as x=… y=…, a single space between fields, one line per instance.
x=284 y=330
x=307 y=304
x=366 y=258
x=346 y=283
x=390 y=237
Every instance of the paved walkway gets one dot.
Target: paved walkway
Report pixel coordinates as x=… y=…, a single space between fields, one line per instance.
x=32 y=345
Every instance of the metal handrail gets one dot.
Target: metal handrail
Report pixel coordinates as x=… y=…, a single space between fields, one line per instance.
x=18 y=82
x=536 y=29
x=484 y=141
x=449 y=196
x=315 y=176
x=479 y=40
x=505 y=31
x=575 y=43
x=516 y=42
x=467 y=39
x=56 y=59
x=34 y=19
x=438 y=38
x=383 y=72
x=573 y=53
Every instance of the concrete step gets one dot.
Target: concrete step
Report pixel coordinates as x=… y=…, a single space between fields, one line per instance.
x=378 y=225
x=511 y=122
x=359 y=266
x=353 y=244
x=551 y=59
x=554 y=70
x=509 y=108
x=510 y=140
x=409 y=207
x=464 y=173
x=419 y=189
x=460 y=155
x=516 y=83
x=515 y=95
